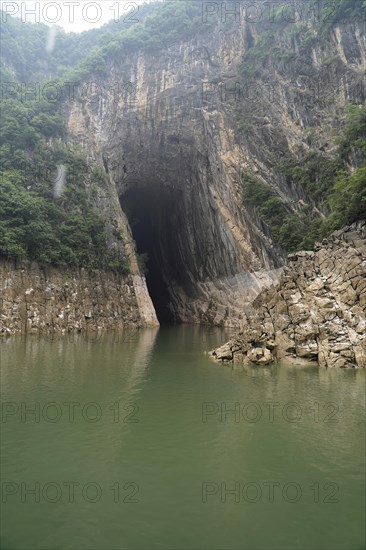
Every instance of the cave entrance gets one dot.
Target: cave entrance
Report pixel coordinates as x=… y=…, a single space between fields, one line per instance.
x=156 y=221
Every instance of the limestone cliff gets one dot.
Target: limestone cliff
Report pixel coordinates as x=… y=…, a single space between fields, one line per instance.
x=165 y=127
x=317 y=311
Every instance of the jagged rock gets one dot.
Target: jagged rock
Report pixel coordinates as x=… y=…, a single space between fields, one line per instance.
x=326 y=318
x=224 y=353
x=308 y=351
x=260 y=356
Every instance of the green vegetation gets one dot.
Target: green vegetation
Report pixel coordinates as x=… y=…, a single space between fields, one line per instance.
x=243 y=126
x=354 y=136
x=272 y=210
x=314 y=174
x=173 y=22
x=23 y=48
x=327 y=182
x=348 y=199
x=65 y=230
x=342 y=10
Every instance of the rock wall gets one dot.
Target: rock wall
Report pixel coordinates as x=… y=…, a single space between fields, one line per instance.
x=317 y=312
x=163 y=143
x=37 y=300
x=170 y=125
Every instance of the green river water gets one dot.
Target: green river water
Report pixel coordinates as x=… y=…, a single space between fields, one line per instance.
x=143 y=442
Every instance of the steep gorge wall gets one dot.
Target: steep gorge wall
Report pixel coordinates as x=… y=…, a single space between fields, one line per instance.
x=173 y=131
x=167 y=123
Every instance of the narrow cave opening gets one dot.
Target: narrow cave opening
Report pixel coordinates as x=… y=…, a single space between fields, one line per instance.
x=154 y=218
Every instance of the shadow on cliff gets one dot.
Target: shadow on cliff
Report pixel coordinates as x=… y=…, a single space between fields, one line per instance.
x=153 y=215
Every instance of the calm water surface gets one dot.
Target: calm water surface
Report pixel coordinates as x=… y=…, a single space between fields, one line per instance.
x=145 y=443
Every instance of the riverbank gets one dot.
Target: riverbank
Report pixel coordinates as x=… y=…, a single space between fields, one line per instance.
x=41 y=300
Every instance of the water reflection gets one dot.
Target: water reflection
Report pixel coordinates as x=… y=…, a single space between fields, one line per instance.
x=277 y=423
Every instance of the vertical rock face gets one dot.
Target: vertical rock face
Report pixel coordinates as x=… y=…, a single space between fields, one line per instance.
x=317 y=312
x=37 y=300
x=165 y=130
x=158 y=155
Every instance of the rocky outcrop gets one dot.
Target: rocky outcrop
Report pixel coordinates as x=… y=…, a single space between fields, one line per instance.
x=35 y=300
x=317 y=311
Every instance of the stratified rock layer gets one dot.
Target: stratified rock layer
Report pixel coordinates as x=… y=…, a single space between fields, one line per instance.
x=36 y=300
x=317 y=311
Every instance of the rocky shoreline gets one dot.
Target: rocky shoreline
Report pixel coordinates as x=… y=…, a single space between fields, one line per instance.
x=315 y=313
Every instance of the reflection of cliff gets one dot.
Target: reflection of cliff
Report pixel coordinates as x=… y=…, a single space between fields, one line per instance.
x=143 y=344
x=129 y=353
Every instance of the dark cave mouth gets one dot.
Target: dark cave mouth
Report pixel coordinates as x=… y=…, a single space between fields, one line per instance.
x=154 y=215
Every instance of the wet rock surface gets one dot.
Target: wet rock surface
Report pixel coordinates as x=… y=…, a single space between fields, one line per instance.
x=316 y=313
